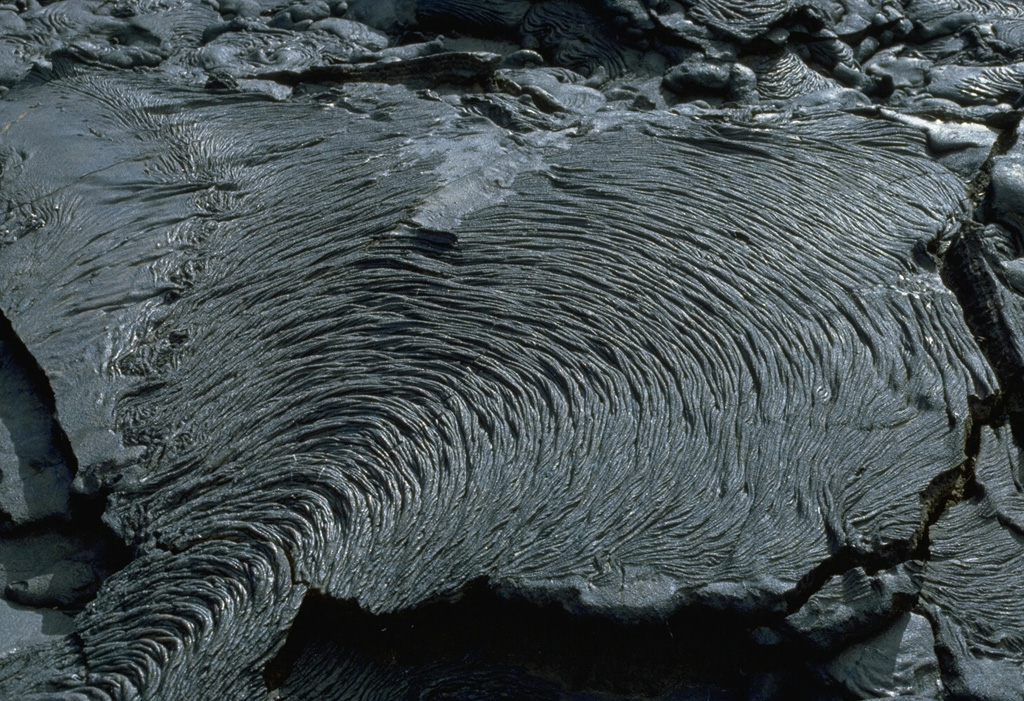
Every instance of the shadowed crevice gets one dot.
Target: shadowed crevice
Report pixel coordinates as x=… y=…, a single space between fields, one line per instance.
x=971 y=269
x=968 y=273
x=527 y=651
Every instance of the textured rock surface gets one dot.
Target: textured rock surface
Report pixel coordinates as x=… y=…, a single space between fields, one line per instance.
x=679 y=341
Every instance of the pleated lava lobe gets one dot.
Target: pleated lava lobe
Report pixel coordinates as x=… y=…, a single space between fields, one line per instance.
x=647 y=363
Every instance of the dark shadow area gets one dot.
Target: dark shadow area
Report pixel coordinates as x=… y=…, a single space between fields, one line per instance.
x=484 y=646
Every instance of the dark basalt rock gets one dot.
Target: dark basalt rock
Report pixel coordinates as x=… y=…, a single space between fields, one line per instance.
x=550 y=349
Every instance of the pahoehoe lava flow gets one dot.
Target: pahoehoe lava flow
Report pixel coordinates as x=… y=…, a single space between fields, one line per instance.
x=588 y=324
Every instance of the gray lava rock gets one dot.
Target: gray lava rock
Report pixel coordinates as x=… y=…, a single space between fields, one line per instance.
x=898 y=661
x=645 y=317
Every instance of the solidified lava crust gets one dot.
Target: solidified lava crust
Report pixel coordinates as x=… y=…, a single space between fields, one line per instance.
x=555 y=349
